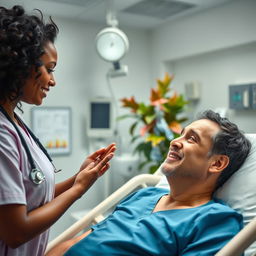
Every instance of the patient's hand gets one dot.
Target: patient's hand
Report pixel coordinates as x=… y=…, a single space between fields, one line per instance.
x=61 y=248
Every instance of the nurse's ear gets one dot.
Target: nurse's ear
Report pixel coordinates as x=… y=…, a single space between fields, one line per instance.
x=218 y=163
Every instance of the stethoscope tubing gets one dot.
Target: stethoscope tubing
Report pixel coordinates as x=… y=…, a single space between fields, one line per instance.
x=34 y=170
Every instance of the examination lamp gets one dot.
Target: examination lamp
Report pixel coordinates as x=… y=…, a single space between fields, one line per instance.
x=112 y=44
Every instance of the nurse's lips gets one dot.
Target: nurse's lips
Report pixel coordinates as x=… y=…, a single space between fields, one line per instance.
x=45 y=90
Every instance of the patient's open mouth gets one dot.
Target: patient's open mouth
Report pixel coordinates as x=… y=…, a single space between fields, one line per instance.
x=174 y=155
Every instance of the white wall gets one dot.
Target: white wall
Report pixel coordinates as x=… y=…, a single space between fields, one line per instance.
x=80 y=74
x=215 y=71
x=217 y=48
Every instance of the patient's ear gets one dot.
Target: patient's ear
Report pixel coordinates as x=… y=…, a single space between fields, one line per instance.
x=219 y=163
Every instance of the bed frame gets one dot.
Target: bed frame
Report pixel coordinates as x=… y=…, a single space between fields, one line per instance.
x=235 y=247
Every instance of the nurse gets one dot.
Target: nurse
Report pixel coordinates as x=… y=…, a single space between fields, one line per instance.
x=30 y=202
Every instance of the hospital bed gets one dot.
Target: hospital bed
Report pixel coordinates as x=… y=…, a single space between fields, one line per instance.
x=239 y=192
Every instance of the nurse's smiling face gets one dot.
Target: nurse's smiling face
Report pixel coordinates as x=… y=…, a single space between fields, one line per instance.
x=37 y=87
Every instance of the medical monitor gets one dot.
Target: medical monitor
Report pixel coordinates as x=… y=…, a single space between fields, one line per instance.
x=100 y=121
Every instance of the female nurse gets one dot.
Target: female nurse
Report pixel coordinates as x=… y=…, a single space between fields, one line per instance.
x=30 y=202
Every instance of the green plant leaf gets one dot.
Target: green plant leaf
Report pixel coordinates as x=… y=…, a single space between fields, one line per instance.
x=135 y=138
x=144 y=148
x=163 y=88
x=133 y=126
x=163 y=85
x=182 y=120
x=166 y=108
x=150 y=118
x=127 y=116
x=144 y=110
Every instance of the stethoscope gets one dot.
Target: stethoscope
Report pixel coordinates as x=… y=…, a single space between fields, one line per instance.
x=35 y=175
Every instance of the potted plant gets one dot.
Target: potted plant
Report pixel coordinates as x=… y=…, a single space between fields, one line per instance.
x=160 y=122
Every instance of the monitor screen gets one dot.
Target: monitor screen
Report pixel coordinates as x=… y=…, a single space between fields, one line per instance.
x=100 y=115
x=100 y=118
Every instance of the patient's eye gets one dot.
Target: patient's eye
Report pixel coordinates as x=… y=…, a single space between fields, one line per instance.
x=192 y=138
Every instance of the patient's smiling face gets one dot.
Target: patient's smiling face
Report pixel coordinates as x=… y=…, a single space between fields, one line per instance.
x=188 y=156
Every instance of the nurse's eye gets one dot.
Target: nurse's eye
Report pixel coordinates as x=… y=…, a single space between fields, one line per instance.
x=50 y=70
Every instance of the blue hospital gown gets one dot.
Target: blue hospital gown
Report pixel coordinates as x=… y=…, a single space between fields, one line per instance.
x=133 y=229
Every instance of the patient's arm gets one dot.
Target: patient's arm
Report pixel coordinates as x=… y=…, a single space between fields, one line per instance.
x=61 y=248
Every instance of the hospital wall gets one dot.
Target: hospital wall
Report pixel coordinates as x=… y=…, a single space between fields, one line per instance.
x=217 y=48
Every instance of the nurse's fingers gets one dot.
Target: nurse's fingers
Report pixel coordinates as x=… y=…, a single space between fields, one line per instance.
x=103 y=165
x=101 y=153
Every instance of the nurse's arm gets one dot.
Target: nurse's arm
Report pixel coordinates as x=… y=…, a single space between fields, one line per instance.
x=18 y=226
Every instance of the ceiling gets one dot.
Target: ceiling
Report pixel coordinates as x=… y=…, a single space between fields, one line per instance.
x=139 y=14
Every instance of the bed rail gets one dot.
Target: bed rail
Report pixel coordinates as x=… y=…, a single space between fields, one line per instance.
x=96 y=214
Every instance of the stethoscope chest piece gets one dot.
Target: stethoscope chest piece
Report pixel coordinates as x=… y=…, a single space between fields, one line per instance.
x=37 y=176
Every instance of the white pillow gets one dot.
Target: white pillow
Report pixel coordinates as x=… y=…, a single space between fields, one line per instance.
x=239 y=192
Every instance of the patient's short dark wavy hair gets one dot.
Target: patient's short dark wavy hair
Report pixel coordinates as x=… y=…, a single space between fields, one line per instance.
x=22 y=41
x=229 y=141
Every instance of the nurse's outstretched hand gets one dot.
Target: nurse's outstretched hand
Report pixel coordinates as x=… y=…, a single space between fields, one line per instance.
x=96 y=165
x=98 y=155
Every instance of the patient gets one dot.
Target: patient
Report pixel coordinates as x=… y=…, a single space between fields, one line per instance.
x=187 y=221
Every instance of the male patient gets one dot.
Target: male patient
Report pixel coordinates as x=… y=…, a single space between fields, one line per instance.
x=188 y=220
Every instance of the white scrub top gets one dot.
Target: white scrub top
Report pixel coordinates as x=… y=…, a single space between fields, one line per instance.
x=16 y=186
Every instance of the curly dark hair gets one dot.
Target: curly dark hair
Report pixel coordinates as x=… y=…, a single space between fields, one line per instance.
x=230 y=141
x=22 y=41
